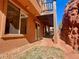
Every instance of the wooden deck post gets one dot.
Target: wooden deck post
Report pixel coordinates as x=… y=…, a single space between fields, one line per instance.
x=55 y=21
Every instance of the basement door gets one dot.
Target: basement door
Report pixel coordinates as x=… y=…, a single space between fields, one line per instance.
x=37 y=32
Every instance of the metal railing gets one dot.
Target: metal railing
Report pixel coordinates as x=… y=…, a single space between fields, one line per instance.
x=46 y=5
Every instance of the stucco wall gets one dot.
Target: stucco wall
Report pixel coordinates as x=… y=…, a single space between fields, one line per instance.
x=30 y=29
x=1 y=12
x=8 y=44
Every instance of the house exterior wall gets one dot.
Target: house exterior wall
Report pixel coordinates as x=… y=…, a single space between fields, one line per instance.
x=1 y=5
x=12 y=41
x=31 y=29
x=0 y=13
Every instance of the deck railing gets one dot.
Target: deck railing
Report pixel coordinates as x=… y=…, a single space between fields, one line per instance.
x=46 y=5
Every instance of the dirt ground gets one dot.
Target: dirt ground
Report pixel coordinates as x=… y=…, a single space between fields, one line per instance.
x=69 y=53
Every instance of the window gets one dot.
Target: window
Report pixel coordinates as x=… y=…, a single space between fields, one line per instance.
x=23 y=24
x=16 y=20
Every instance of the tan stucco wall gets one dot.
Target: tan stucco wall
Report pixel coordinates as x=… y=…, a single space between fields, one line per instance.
x=1 y=13
x=1 y=5
x=7 y=44
x=3 y=10
x=31 y=29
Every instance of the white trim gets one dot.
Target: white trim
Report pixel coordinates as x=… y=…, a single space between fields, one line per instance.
x=19 y=24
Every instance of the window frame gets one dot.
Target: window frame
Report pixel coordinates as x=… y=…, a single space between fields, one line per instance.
x=16 y=35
